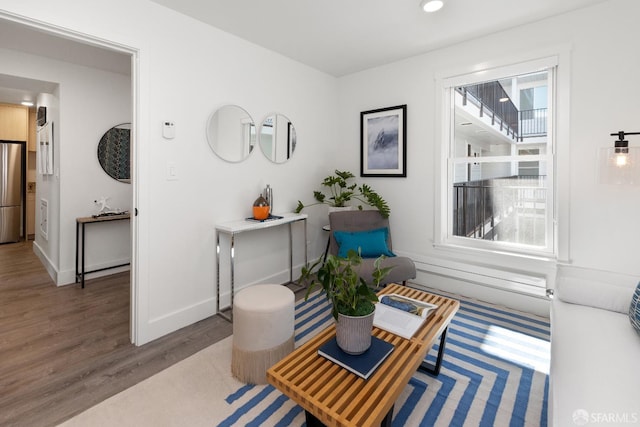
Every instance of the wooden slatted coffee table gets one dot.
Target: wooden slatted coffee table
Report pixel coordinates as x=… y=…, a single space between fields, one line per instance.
x=333 y=396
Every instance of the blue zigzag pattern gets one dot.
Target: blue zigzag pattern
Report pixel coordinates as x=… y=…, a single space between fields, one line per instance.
x=476 y=386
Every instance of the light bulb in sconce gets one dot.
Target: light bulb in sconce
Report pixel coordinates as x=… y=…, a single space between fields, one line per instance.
x=619 y=165
x=621 y=160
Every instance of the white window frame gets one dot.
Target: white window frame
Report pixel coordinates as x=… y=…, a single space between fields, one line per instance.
x=557 y=248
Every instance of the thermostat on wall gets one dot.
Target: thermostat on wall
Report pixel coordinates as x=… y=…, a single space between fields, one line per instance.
x=168 y=129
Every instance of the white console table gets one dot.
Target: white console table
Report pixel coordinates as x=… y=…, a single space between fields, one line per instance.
x=233 y=228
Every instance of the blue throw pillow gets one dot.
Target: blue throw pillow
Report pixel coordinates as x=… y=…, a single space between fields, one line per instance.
x=634 y=309
x=370 y=243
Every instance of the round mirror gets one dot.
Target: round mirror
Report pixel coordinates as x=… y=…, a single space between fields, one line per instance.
x=114 y=152
x=231 y=133
x=277 y=138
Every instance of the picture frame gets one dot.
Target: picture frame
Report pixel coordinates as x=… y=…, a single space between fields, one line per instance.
x=44 y=149
x=383 y=142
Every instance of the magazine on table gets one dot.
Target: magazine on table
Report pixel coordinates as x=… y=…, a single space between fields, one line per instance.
x=401 y=315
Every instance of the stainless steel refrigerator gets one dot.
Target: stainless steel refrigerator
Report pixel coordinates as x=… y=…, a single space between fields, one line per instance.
x=10 y=191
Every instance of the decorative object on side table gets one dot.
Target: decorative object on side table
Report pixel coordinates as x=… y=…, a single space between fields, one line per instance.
x=351 y=297
x=341 y=191
x=261 y=208
x=105 y=209
x=268 y=195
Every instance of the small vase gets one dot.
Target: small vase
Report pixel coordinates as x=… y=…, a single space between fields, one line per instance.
x=260 y=208
x=353 y=333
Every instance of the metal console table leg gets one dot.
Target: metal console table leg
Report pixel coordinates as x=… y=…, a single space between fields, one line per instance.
x=434 y=369
x=242 y=226
x=228 y=317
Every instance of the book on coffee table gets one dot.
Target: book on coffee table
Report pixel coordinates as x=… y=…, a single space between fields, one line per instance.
x=363 y=364
x=401 y=315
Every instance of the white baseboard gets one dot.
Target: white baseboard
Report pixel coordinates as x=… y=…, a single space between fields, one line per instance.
x=46 y=262
x=68 y=277
x=163 y=325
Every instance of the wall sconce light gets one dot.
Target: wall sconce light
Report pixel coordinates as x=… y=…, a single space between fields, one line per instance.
x=620 y=164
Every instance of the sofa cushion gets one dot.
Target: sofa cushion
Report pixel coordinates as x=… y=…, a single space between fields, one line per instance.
x=594 y=359
x=634 y=310
x=370 y=243
x=594 y=293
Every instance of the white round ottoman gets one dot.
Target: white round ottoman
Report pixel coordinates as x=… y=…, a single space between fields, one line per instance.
x=263 y=318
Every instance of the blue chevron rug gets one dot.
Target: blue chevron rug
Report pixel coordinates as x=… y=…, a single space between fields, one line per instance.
x=495 y=372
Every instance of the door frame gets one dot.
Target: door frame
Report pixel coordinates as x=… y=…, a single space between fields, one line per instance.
x=134 y=53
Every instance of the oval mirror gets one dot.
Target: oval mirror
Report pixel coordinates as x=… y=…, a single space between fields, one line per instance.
x=277 y=138
x=114 y=152
x=231 y=133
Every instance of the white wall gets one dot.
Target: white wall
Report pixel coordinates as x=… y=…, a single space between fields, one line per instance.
x=47 y=216
x=187 y=70
x=597 y=223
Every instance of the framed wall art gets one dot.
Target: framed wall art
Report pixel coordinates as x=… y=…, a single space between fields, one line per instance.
x=44 y=149
x=383 y=142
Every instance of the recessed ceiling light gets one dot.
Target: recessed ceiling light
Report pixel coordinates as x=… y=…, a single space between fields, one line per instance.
x=27 y=103
x=505 y=99
x=431 y=5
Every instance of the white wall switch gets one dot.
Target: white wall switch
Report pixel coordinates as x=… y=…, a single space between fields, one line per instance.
x=168 y=129
x=172 y=171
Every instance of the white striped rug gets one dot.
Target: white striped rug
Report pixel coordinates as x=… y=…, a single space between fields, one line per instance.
x=495 y=372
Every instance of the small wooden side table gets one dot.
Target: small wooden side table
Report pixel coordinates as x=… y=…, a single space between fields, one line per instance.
x=80 y=238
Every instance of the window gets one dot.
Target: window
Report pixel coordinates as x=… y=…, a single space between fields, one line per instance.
x=530 y=168
x=500 y=162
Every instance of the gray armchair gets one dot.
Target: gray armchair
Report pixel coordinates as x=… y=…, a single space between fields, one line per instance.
x=366 y=220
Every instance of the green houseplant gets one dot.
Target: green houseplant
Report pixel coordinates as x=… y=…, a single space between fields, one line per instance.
x=341 y=190
x=351 y=297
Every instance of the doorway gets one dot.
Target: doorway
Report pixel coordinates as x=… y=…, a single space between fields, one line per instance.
x=76 y=49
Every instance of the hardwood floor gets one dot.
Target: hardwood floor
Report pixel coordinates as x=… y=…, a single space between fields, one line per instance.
x=64 y=349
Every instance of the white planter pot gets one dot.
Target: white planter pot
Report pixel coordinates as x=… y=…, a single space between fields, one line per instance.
x=353 y=333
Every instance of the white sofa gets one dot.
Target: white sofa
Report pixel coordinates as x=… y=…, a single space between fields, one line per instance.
x=595 y=352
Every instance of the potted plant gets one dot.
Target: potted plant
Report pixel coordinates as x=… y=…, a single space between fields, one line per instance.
x=341 y=191
x=351 y=297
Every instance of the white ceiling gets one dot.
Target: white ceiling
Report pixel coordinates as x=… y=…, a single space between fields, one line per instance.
x=335 y=36
x=14 y=36
x=346 y=36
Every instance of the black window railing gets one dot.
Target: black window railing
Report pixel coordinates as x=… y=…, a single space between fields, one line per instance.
x=493 y=100
x=481 y=208
x=518 y=124
x=533 y=122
